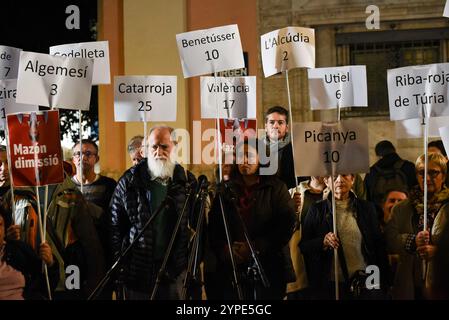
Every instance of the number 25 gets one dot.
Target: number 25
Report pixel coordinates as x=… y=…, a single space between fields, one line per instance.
x=146 y=104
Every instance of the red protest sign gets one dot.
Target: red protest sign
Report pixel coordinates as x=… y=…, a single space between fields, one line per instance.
x=35 y=148
x=234 y=130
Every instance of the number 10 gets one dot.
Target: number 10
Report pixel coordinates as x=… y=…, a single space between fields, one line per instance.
x=214 y=54
x=333 y=156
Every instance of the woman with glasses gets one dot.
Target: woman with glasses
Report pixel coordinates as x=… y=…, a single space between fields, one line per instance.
x=405 y=235
x=358 y=241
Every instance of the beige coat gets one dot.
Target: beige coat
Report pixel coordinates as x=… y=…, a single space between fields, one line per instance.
x=409 y=272
x=295 y=252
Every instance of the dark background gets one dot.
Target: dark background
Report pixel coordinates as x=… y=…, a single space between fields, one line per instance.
x=36 y=26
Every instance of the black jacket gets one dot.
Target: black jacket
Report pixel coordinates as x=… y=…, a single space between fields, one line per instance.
x=286 y=170
x=318 y=223
x=273 y=219
x=131 y=208
x=388 y=161
x=21 y=257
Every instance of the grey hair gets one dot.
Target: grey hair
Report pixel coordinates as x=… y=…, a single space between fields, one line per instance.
x=135 y=143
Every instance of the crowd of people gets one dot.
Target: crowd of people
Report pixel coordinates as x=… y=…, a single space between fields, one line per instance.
x=243 y=236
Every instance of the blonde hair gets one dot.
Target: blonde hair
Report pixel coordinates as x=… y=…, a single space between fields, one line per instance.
x=432 y=157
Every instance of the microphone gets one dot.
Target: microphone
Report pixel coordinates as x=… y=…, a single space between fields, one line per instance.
x=202 y=179
x=189 y=186
x=202 y=184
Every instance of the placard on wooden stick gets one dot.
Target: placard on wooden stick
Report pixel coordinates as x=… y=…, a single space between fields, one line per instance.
x=55 y=82
x=8 y=104
x=339 y=147
x=97 y=50
x=414 y=128
x=137 y=96
x=210 y=50
x=228 y=97
x=35 y=148
x=9 y=62
x=286 y=49
x=339 y=86
x=418 y=91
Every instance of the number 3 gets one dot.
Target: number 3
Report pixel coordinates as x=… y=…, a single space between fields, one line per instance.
x=54 y=89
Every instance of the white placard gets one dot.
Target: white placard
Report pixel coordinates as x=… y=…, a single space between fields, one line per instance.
x=413 y=128
x=320 y=146
x=9 y=62
x=338 y=86
x=55 y=82
x=444 y=134
x=228 y=97
x=8 y=104
x=135 y=94
x=446 y=9
x=97 y=50
x=418 y=90
x=210 y=50
x=287 y=48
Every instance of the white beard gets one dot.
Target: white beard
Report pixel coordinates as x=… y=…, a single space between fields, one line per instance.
x=161 y=168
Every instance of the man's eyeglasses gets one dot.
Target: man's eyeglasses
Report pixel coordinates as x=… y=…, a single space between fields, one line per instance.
x=87 y=154
x=431 y=173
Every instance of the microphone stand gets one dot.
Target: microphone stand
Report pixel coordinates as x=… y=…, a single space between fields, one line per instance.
x=164 y=205
x=191 y=278
x=162 y=273
x=256 y=269
x=229 y=242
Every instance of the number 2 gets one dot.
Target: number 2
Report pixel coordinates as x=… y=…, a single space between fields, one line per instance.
x=285 y=55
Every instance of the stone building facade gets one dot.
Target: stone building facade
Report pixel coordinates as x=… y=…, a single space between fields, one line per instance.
x=411 y=32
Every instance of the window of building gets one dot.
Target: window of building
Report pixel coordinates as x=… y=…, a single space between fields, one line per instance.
x=381 y=51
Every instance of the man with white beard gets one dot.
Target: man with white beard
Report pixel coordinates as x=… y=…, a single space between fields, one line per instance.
x=139 y=193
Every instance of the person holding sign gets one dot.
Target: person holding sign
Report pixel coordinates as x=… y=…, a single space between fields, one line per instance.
x=139 y=194
x=359 y=241
x=267 y=213
x=278 y=140
x=70 y=233
x=21 y=274
x=404 y=232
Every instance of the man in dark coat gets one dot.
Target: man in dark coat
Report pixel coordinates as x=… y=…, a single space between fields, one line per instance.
x=396 y=173
x=139 y=194
x=278 y=140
